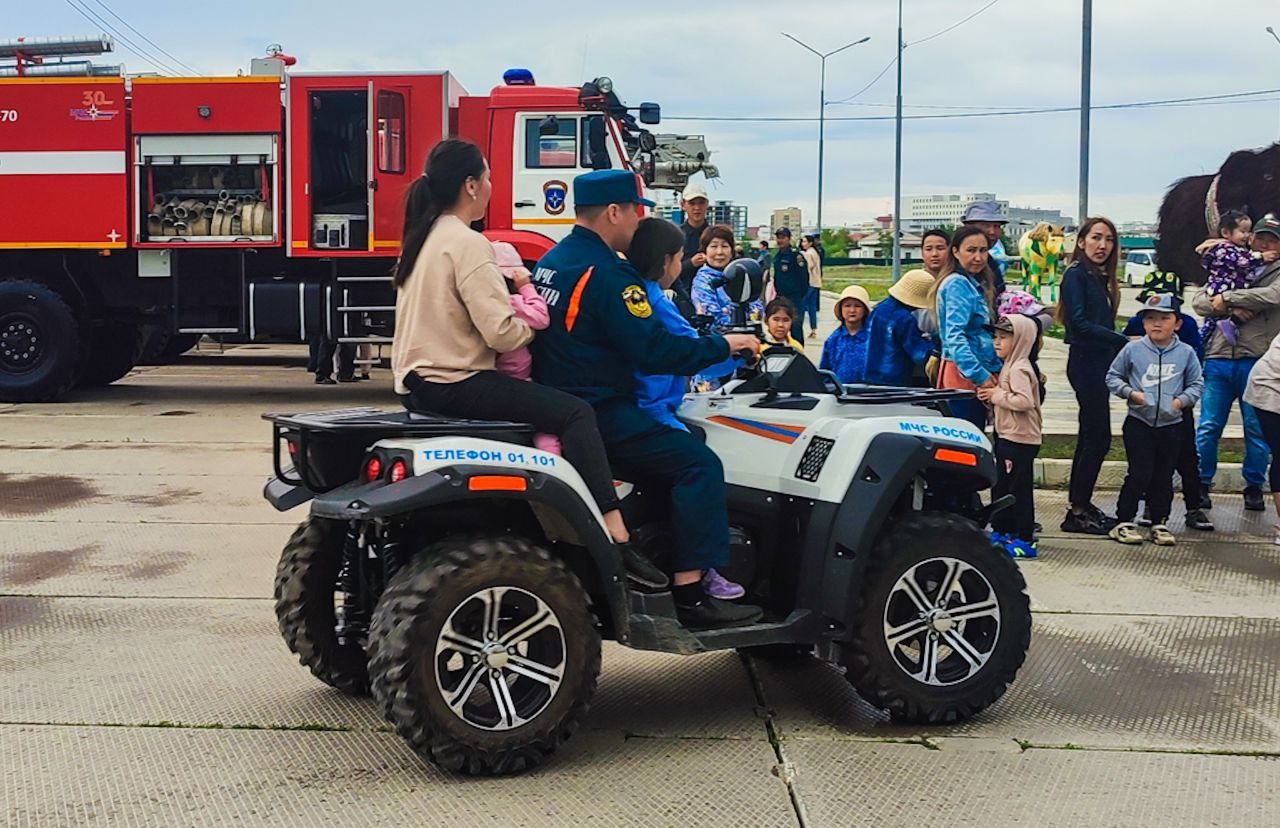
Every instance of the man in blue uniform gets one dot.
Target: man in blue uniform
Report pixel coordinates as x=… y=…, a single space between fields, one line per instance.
x=791 y=278
x=602 y=332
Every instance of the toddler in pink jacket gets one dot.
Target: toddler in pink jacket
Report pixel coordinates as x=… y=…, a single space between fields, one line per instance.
x=530 y=308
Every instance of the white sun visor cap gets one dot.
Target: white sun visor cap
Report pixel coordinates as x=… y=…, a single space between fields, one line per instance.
x=694 y=190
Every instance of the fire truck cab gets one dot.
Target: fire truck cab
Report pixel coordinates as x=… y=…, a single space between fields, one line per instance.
x=149 y=212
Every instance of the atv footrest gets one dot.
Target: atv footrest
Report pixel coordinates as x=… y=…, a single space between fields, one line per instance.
x=654 y=626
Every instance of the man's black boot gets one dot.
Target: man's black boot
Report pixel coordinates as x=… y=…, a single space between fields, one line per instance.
x=1253 y=501
x=641 y=571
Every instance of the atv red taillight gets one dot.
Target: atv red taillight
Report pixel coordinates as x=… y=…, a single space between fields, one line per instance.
x=399 y=471
x=293 y=448
x=372 y=469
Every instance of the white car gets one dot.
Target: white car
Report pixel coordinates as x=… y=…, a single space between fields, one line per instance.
x=1137 y=265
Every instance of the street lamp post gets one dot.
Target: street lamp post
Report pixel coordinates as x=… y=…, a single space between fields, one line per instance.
x=897 y=161
x=822 y=108
x=1272 y=32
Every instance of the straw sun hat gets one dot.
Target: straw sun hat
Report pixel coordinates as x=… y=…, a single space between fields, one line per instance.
x=913 y=288
x=852 y=292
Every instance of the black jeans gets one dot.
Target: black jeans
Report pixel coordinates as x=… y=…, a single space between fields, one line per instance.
x=492 y=396
x=1188 y=466
x=1016 y=464
x=1087 y=373
x=1153 y=454
x=1270 y=422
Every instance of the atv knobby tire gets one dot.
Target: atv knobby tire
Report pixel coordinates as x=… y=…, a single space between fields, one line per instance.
x=406 y=674
x=40 y=352
x=113 y=349
x=877 y=672
x=306 y=580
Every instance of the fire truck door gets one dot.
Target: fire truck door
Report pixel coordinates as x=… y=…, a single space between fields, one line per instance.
x=550 y=151
x=390 y=106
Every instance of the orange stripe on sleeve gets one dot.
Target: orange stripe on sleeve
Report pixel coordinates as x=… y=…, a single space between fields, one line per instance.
x=571 y=316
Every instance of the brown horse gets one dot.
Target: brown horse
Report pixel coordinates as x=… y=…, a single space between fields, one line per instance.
x=1248 y=180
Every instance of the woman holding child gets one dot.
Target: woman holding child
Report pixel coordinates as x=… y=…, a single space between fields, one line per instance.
x=454 y=316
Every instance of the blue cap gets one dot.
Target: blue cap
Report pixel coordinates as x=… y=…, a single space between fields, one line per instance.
x=984 y=211
x=1162 y=302
x=609 y=187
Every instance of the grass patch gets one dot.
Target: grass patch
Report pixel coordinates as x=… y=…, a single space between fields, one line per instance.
x=875 y=278
x=1063 y=446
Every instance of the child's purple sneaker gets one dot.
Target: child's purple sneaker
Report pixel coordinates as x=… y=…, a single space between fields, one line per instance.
x=718 y=586
x=1227 y=328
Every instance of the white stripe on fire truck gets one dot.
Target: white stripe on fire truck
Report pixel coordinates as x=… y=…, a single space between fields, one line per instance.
x=68 y=162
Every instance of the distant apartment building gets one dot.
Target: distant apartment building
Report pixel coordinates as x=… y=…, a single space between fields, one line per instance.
x=727 y=212
x=926 y=211
x=718 y=212
x=788 y=217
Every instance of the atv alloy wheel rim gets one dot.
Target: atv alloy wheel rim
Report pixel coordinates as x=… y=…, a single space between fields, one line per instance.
x=942 y=621
x=21 y=342
x=500 y=658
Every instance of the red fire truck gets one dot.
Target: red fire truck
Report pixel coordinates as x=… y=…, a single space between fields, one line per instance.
x=263 y=208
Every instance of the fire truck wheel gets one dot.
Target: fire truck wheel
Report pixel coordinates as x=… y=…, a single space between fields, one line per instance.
x=113 y=349
x=40 y=355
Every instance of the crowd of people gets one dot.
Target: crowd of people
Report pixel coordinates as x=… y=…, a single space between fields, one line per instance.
x=615 y=308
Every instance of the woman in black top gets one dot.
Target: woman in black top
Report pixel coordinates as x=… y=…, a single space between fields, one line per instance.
x=1087 y=305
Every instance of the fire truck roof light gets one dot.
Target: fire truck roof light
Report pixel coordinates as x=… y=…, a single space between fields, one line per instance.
x=605 y=85
x=518 y=77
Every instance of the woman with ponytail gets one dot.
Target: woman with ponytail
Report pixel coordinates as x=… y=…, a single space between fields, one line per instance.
x=454 y=316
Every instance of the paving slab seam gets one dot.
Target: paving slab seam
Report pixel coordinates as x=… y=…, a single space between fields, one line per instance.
x=305 y=727
x=1100 y=614
x=95 y=596
x=786 y=771
x=1181 y=751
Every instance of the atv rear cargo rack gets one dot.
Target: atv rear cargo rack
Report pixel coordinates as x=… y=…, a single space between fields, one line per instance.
x=327 y=447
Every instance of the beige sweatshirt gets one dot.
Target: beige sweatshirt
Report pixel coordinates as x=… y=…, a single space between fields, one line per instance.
x=1016 y=398
x=813 y=260
x=453 y=313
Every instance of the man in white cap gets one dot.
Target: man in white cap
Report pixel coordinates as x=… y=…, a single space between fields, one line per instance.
x=694 y=203
x=986 y=216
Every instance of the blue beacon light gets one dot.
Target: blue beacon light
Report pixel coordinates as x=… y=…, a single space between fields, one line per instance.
x=518 y=77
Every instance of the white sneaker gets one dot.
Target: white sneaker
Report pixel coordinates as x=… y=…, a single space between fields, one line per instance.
x=1130 y=533
x=1276 y=538
x=1161 y=536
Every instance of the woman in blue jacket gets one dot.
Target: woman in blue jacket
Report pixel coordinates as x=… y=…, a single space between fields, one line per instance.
x=964 y=302
x=1087 y=304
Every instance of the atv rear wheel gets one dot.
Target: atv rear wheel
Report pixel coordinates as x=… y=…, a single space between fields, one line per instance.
x=306 y=583
x=943 y=624
x=484 y=654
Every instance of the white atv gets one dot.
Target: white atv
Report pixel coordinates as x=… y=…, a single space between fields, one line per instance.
x=467 y=578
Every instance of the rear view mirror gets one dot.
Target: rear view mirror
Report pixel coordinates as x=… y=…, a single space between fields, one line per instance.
x=650 y=113
x=549 y=126
x=743 y=281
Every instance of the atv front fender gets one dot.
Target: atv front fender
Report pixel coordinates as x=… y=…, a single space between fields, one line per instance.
x=884 y=473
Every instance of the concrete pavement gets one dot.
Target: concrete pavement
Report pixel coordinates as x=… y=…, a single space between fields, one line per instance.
x=145 y=683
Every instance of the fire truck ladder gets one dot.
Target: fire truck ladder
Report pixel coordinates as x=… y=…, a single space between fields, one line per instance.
x=358 y=321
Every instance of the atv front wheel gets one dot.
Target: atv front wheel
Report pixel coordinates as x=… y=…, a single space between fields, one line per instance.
x=484 y=655
x=943 y=624
x=306 y=583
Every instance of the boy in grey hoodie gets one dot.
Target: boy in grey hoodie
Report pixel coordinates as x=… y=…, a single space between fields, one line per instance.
x=1160 y=377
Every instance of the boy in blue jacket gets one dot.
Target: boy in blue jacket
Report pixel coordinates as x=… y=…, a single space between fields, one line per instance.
x=1160 y=377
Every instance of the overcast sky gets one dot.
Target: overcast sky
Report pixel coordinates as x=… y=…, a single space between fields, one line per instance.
x=729 y=59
